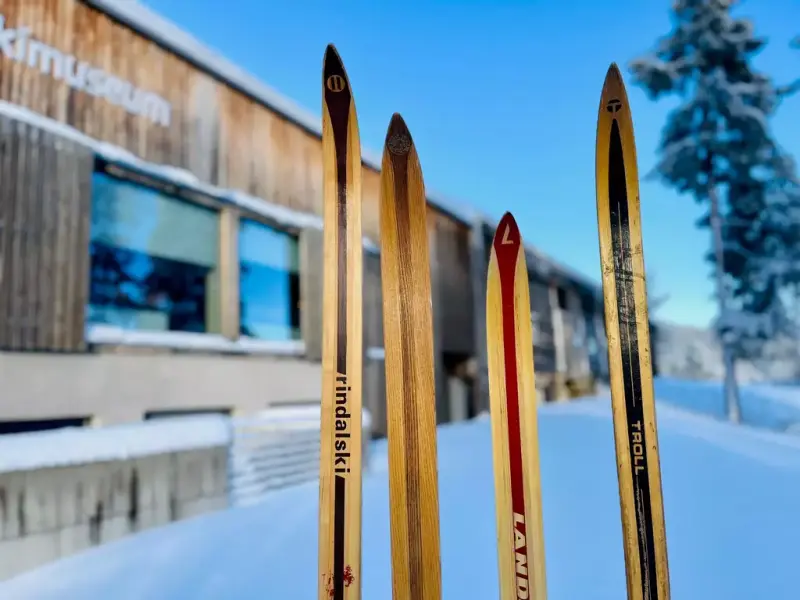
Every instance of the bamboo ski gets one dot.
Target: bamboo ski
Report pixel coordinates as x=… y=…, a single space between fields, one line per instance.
x=410 y=393
x=515 y=441
x=340 y=441
x=627 y=328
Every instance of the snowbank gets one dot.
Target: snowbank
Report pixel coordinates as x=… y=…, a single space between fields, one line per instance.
x=72 y=446
x=763 y=405
x=731 y=497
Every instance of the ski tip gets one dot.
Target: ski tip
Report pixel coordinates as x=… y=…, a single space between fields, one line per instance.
x=613 y=71
x=332 y=66
x=507 y=233
x=613 y=98
x=614 y=84
x=332 y=55
x=398 y=137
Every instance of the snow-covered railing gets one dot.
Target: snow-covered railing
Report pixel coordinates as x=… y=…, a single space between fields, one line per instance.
x=75 y=446
x=277 y=448
x=273 y=449
x=65 y=490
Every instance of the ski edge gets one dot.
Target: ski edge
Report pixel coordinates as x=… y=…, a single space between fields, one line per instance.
x=615 y=106
x=339 y=552
x=521 y=548
x=410 y=380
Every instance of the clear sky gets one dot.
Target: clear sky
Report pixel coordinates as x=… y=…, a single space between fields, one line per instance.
x=501 y=98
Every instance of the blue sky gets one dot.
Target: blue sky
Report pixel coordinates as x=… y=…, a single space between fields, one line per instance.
x=501 y=98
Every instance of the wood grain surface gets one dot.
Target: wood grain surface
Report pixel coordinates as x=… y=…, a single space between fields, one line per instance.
x=342 y=355
x=410 y=395
x=515 y=438
x=216 y=131
x=625 y=293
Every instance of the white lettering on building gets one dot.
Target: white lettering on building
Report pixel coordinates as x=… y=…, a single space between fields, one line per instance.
x=17 y=45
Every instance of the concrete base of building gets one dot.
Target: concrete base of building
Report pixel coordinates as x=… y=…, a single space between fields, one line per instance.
x=125 y=385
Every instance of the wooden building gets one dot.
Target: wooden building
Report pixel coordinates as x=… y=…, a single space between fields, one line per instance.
x=160 y=238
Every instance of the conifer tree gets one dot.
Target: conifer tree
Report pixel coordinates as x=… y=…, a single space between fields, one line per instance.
x=717 y=148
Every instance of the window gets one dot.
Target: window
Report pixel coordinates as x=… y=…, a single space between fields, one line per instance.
x=269 y=284
x=33 y=425
x=562 y=298
x=152 y=415
x=154 y=260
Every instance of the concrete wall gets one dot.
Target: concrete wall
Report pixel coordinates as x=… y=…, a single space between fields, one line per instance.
x=119 y=388
x=49 y=513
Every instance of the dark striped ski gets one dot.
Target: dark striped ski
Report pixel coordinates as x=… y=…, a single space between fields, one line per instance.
x=628 y=333
x=410 y=393
x=340 y=440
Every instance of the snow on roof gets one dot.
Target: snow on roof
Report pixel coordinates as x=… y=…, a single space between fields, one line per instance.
x=82 y=445
x=117 y=155
x=155 y=27
x=147 y=22
x=274 y=212
x=540 y=262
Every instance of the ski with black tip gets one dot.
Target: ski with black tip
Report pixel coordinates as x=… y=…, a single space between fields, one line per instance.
x=628 y=333
x=340 y=435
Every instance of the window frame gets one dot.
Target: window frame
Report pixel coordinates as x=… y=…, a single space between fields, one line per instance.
x=294 y=232
x=105 y=335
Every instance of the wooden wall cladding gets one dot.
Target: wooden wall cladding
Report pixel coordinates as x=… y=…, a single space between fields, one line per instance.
x=44 y=239
x=374 y=390
x=310 y=247
x=544 y=350
x=373 y=302
x=80 y=67
x=455 y=287
x=216 y=132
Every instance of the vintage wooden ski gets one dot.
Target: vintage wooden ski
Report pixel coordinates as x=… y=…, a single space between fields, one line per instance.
x=410 y=393
x=515 y=438
x=340 y=441
x=627 y=329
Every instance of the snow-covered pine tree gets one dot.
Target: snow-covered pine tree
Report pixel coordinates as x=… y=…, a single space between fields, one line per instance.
x=716 y=145
x=760 y=255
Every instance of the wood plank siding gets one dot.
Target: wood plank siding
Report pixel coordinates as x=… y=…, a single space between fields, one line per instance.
x=218 y=133
x=452 y=251
x=78 y=66
x=44 y=239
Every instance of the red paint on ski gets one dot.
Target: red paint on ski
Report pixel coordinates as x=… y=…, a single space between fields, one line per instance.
x=507 y=243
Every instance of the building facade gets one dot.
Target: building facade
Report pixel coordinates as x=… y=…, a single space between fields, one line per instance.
x=160 y=238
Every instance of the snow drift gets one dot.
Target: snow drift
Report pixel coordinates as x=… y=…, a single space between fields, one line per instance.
x=731 y=497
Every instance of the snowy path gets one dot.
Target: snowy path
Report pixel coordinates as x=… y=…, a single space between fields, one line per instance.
x=732 y=499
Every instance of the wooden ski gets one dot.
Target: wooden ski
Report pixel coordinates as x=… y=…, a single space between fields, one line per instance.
x=410 y=392
x=627 y=329
x=340 y=441
x=515 y=438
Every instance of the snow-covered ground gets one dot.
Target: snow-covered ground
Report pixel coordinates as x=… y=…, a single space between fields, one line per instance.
x=732 y=501
x=772 y=406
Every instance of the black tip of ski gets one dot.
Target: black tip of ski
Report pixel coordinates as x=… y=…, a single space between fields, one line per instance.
x=333 y=73
x=397 y=127
x=332 y=57
x=398 y=142
x=613 y=71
